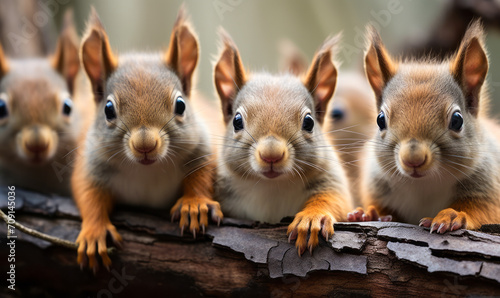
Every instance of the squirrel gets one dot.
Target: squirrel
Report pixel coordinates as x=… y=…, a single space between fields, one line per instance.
x=434 y=160
x=275 y=161
x=145 y=146
x=40 y=116
x=348 y=122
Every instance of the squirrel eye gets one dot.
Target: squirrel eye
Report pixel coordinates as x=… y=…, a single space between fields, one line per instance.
x=180 y=106
x=3 y=109
x=456 y=122
x=381 y=121
x=238 y=122
x=67 y=106
x=109 y=110
x=337 y=114
x=308 y=123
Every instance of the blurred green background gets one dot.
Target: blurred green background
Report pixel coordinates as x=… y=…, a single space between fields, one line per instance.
x=257 y=26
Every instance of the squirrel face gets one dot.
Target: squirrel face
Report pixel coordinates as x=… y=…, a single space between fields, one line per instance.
x=274 y=122
x=35 y=110
x=428 y=120
x=36 y=103
x=143 y=114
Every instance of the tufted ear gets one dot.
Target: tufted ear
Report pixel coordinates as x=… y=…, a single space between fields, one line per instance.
x=65 y=59
x=229 y=74
x=4 y=65
x=379 y=66
x=469 y=66
x=321 y=78
x=183 y=51
x=97 y=57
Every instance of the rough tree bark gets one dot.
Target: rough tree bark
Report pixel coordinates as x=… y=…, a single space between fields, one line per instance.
x=243 y=258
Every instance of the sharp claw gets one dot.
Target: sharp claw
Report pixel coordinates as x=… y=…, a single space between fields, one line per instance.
x=218 y=221
x=194 y=233
x=432 y=227
x=290 y=237
x=182 y=231
x=107 y=267
x=311 y=250
x=298 y=250
x=440 y=227
x=203 y=229
x=95 y=270
x=81 y=266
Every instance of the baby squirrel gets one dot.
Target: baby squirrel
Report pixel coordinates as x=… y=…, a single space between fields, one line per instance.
x=145 y=146
x=275 y=161
x=349 y=120
x=436 y=151
x=39 y=121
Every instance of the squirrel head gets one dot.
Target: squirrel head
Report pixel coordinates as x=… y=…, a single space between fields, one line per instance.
x=36 y=101
x=428 y=110
x=273 y=122
x=142 y=99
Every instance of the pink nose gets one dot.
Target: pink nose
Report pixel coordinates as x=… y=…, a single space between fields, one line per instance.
x=272 y=158
x=145 y=148
x=416 y=162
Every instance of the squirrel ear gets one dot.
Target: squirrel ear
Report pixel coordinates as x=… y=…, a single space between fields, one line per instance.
x=66 y=60
x=182 y=54
x=470 y=66
x=4 y=65
x=292 y=59
x=229 y=74
x=97 y=57
x=379 y=66
x=321 y=78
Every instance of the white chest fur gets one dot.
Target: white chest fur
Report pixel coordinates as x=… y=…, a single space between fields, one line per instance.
x=266 y=201
x=156 y=185
x=416 y=199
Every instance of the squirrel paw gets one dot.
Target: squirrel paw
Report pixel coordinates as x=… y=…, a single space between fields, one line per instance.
x=371 y=214
x=94 y=237
x=306 y=222
x=446 y=220
x=193 y=213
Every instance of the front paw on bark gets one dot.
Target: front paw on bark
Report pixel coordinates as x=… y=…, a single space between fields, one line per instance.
x=193 y=212
x=371 y=214
x=306 y=223
x=446 y=220
x=92 y=238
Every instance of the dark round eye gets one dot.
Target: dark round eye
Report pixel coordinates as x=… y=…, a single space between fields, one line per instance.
x=381 y=121
x=456 y=122
x=180 y=106
x=238 y=122
x=337 y=114
x=67 y=106
x=308 y=123
x=3 y=109
x=109 y=110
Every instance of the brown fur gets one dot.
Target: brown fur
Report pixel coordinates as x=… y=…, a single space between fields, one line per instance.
x=37 y=138
x=350 y=114
x=146 y=154
x=418 y=166
x=305 y=177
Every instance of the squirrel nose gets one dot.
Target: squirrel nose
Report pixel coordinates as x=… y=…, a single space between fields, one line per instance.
x=272 y=158
x=145 y=147
x=37 y=148
x=415 y=162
